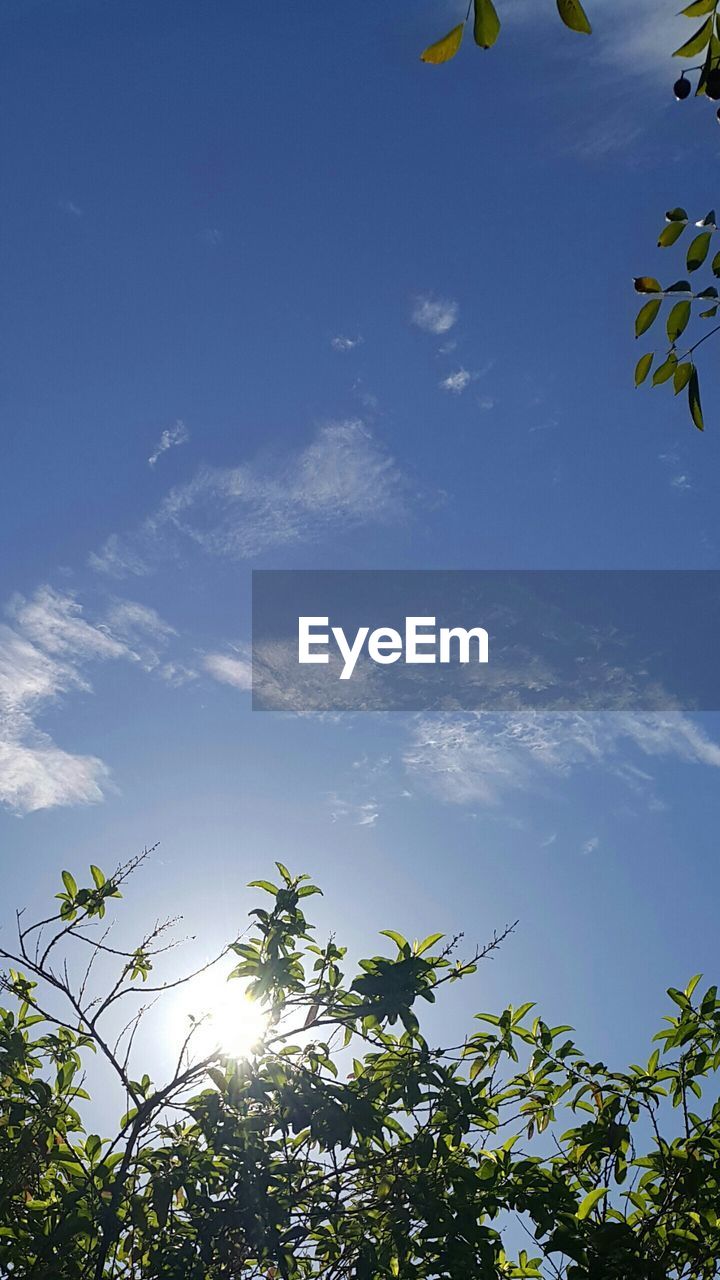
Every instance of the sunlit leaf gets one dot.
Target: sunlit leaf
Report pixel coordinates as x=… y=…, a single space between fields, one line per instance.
x=591 y=1199
x=646 y=315
x=709 y=314
x=681 y=378
x=487 y=24
x=665 y=371
x=699 y=8
x=445 y=49
x=696 y=43
x=670 y=234
x=574 y=16
x=643 y=367
x=677 y=321
x=647 y=284
x=70 y=885
x=698 y=251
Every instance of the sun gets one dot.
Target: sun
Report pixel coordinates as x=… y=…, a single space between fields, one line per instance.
x=225 y=1019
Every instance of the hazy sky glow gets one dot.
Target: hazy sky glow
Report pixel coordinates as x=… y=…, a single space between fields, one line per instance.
x=278 y=295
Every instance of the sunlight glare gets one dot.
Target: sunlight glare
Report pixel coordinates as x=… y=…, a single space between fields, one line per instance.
x=228 y=1021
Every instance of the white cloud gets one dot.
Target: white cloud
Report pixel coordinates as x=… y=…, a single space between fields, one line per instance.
x=457 y=382
x=358 y=814
x=41 y=776
x=117 y=559
x=478 y=758
x=681 y=482
x=55 y=622
x=343 y=343
x=235 y=671
x=590 y=846
x=171 y=437
x=343 y=477
x=434 y=315
x=43 y=656
x=72 y=209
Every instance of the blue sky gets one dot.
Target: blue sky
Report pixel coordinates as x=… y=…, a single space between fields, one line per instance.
x=278 y=295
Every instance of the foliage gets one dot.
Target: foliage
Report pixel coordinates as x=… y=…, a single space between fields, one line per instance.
x=704 y=43
x=486 y=28
x=346 y=1145
x=684 y=303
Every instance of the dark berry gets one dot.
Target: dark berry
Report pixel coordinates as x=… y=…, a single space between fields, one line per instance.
x=682 y=88
x=712 y=84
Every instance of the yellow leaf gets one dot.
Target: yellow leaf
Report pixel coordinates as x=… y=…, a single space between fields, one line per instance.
x=445 y=49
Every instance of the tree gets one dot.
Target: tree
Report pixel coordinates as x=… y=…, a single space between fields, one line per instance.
x=675 y=366
x=345 y=1144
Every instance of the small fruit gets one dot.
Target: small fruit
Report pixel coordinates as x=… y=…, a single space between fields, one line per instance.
x=712 y=84
x=682 y=88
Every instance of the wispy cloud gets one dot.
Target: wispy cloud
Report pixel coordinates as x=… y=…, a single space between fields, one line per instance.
x=458 y=381
x=434 y=315
x=70 y=208
x=342 y=478
x=235 y=670
x=682 y=482
x=364 y=814
x=44 y=654
x=343 y=343
x=476 y=758
x=171 y=437
x=590 y=846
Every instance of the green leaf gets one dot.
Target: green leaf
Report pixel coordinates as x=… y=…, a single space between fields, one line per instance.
x=588 y=1204
x=642 y=368
x=487 y=24
x=680 y=286
x=647 y=284
x=698 y=251
x=97 y=876
x=699 y=8
x=682 y=376
x=427 y=943
x=92 y=1145
x=696 y=43
x=709 y=315
x=264 y=884
x=676 y=215
x=445 y=49
x=397 y=938
x=646 y=315
x=716 y=265
x=670 y=234
x=677 y=321
x=694 y=400
x=70 y=885
x=665 y=371
x=574 y=16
